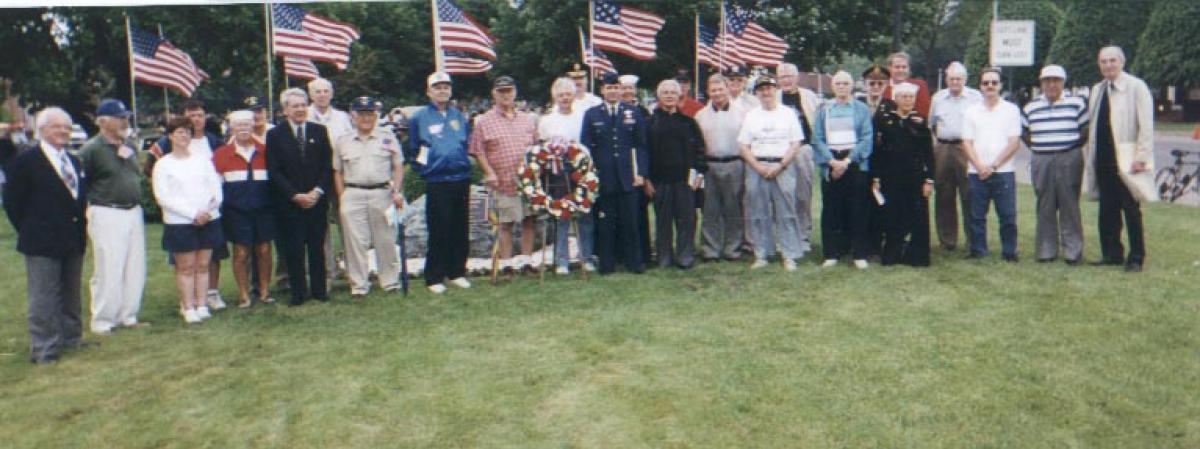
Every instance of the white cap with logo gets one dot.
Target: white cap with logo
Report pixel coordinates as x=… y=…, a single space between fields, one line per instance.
x=437 y=77
x=1053 y=71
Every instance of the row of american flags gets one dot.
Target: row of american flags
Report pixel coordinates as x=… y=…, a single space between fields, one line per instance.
x=464 y=46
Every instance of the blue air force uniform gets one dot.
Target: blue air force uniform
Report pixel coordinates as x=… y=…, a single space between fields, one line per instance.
x=616 y=137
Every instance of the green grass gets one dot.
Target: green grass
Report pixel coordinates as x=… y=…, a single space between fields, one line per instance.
x=964 y=354
x=1175 y=127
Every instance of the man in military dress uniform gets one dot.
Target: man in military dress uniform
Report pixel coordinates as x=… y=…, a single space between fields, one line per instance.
x=616 y=135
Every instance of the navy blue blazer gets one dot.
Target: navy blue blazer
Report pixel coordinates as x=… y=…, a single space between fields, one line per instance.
x=615 y=144
x=49 y=222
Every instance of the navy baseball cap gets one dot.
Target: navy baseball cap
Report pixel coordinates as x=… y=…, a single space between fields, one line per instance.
x=503 y=82
x=609 y=78
x=253 y=102
x=364 y=103
x=111 y=107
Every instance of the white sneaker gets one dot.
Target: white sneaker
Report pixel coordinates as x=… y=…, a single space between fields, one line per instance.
x=203 y=312
x=214 y=301
x=519 y=261
x=789 y=264
x=562 y=270
x=829 y=263
x=437 y=289
x=860 y=264
x=461 y=282
x=588 y=267
x=190 y=316
x=758 y=263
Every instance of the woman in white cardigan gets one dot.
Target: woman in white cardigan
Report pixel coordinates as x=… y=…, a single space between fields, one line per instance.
x=188 y=191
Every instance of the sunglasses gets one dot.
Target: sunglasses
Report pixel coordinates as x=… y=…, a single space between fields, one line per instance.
x=989 y=83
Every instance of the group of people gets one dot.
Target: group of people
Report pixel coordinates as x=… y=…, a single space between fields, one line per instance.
x=747 y=159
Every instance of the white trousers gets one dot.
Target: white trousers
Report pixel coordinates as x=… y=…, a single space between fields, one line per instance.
x=119 y=270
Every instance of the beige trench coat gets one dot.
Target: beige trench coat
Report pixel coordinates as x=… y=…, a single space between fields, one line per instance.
x=1131 y=113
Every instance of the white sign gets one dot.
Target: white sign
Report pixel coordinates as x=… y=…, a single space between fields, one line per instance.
x=1012 y=43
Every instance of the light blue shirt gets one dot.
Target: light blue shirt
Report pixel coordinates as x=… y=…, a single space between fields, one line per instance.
x=946 y=113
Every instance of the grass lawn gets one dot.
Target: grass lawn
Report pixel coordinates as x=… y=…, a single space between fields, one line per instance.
x=966 y=354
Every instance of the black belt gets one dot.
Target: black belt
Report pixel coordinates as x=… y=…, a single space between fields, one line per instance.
x=840 y=154
x=724 y=159
x=770 y=159
x=382 y=185
x=950 y=141
x=1064 y=150
x=114 y=205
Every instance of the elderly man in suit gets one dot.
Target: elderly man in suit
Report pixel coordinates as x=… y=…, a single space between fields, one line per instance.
x=1119 y=158
x=616 y=135
x=44 y=200
x=299 y=165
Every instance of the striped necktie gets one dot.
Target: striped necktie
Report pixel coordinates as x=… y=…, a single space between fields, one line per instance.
x=68 y=174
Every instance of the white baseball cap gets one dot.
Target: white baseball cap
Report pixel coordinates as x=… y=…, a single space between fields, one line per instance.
x=1053 y=71
x=437 y=77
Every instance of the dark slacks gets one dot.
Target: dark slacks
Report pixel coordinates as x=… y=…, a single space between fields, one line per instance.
x=844 y=215
x=675 y=224
x=1115 y=201
x=446 y=205
x=52 y=284
x=616 y=216
x=301 y=239
x=905 y=223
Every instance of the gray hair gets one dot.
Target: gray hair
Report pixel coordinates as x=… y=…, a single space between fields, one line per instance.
x=956 y=68
x=899 y=54
x=44 y=116
x=718 y=78
x=668 y=84
x=1114 y=51
x=843 y=76
x=788 y=67
x=292 y=93
x=562 y=84
x=320 y=82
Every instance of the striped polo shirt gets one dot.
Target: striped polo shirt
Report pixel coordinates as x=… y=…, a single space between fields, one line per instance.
x=1055 y=127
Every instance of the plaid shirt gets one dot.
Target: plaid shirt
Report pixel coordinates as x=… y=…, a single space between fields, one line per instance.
x=503 y=141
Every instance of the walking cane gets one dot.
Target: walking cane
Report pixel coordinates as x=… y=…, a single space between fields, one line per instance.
x=403 y=258
x=492 y=217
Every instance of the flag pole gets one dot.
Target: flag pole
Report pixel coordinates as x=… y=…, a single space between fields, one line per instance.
x=591 y=43
x=583 y=49
x=132 y=70
x=722 y=37
x=166 y=95
x=439 y=58
x=696 y=60
x=268 y=19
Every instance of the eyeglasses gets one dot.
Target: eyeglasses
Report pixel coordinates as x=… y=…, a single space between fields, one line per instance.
x=875 y=83
x=989 y=83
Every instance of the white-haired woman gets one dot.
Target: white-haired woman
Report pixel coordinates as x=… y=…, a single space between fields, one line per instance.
x=565 y=122
x=842 y=144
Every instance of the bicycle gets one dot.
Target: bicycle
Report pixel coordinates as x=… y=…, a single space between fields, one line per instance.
x=1174 y=181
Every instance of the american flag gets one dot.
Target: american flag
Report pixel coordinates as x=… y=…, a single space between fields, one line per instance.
x=462 y=63
x=460 y=32
x=594 y=58
x=158 y=63
x=626 y=30
x=749 y=41
x=300 y=68
x=707 y=51
x=303 y=35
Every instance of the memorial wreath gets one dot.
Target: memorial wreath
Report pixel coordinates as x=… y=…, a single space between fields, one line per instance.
x=558 y=158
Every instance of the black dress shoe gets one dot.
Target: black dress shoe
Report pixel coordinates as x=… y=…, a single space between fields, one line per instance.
x=1041 y=260
x=1106 y=262
x=1133 y=267
x=975 y=256
x=1074 y=262
x=47 y=360
x=1012 y=258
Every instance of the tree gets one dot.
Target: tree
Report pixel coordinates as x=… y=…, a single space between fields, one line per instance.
x=1087 y=26
x=1046 y=16
x=1167 y=52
